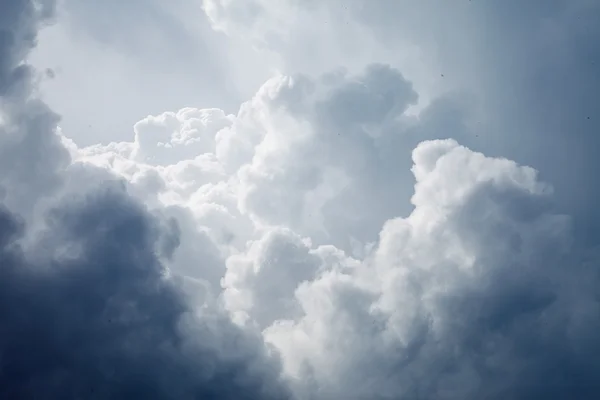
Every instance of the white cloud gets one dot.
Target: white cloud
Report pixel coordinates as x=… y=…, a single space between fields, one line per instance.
x=529 y=70
x=449 y=302
x=260 y=283
x=306 y=153
x=441 y=302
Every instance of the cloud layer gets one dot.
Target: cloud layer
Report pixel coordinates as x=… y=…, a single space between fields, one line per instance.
x=327 y=241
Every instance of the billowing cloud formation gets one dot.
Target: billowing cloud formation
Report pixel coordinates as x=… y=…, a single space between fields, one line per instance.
x=477 y=294
x=313 y=154
x=94 y=316
x=481 y=290
x=326 y=242
x=530 y=70
x=87 y=308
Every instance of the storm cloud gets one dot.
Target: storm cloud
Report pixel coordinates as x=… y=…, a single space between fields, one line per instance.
x=360 y=228
x=87 y=308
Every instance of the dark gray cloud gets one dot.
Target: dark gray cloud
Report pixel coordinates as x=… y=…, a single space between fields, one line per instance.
x=19 y=24
x=30 y=153
x=87 y=312
x=87 y=309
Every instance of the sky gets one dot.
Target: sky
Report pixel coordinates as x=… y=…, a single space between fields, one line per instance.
x=299 y=199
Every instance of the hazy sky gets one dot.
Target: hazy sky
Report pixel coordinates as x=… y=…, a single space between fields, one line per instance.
x=299 y=199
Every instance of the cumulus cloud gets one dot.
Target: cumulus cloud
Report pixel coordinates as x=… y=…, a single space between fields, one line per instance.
x=325 y=242
x=481 y=290
x=530 y=70
x=476 y=294
x=313 y=154
x=87 y=307
x=94 y=315
x=261 y=282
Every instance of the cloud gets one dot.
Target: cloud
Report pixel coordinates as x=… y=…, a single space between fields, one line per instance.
x=530 y=70
x=87 y=306
x=20 y=22
x=325 y=242
x=260 y=284
x=30 y=152
x=308 y=153
x=160 y=57
x=94 y=315
x=483 y=289
x=477 y=294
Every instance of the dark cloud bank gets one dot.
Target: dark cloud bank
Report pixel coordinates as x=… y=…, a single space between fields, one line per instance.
x=86 y=308
x=99 y=320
